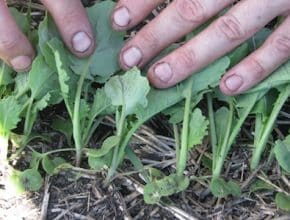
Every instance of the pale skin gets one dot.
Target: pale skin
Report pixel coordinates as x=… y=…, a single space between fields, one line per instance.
x=241 y=22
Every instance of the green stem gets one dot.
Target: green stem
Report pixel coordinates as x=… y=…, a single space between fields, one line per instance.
x=3 y=67
x=182 y=159
x=222 y=151
x=58 y=151
x=258 y=128
x=89 y=132
x=119 y=150
x=177 y=140
x=76 y=116
x=259 y=148
x=27 y=124
x=213 y=135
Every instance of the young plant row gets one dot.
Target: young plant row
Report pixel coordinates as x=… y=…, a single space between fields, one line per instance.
x=95 y=87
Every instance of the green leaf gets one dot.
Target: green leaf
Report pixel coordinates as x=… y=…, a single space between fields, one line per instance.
x=31 y=180
x=101 y=104
x=175 y=113
x=222 y=189
x=282 y=153
x=260 y=185
x=259 y=38
x=99 y=163
x=221 y=120
x=20 y=19
x=159 y=100
x=166 y=186
x=107 y=146
x=39 y=105
x=109 y=42
x=64 y=126
x=42 y=79
x=198 y=126
x=67 y=80
x=5 y=74
x=35 y=160
x=9 y=115
x=129 y=90
x=238 y=54
x=47 y=30
x=282 y=201
x=48 y=165
x=21 y=84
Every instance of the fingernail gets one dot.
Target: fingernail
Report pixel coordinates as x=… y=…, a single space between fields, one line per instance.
x=81 y=42
x=163 y=72
x=132 y=57
x=21 y=63
x=121 y=17
x=234 y=82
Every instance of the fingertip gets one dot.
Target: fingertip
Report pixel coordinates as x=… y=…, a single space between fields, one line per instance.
x=73 y=23
x=230 y=84
x=155 y=80
x=83 y=44
x=224 y=89
x=121 y=18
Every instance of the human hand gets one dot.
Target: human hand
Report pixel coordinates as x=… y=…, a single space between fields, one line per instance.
x=241 y=22
x=72 y=22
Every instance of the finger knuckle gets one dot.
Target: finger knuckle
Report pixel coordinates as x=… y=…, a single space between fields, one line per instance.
x=186 y=57
x=257 y=68
x=150 y=39
x=230 y=28
x=191 y=10
x=281 y=43
x=9 y=42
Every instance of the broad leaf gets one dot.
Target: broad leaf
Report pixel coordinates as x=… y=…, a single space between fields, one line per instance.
x=21 y=19
x=222 y=189
x=42 y=79
x=198 y=126
x=166 y=186
x=9 y=115
x=107 y=145
x=159 y=100
x=109 y=42
x=67 y=80
x=99 y=163
x=31 y=180
x=282 y=153
x=129 y=90
x=283 y=201
x=221 y=121
x=5 y=74
x=64 y=126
